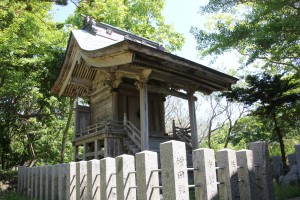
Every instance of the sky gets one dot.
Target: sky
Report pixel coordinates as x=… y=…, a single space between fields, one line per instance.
x=183 y=14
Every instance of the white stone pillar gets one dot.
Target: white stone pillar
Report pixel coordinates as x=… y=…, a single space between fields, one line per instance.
x=54 y=182
x=81 y=180
x=174 y=170
x=108 y=178
x=263 y=170
x=71 y=181
x=193 y=121
x=125 y=177
x=146 y=178
x=93 y=179
x=144 y=115
x=228 y=174
x=246 y=174
x=205 y=177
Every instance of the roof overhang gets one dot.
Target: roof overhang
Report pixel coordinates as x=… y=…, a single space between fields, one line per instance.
x=88 y=54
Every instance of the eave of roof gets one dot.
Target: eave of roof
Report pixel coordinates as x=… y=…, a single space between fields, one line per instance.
x=155 y=58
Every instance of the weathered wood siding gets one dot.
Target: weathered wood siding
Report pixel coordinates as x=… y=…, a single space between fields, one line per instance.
x=82 y=118
x=129 y=103
x=101 y=105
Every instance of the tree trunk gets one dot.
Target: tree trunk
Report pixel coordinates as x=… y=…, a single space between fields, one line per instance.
x=281 y=143
x=209 y=135
x=65 y=134
x=227 y=136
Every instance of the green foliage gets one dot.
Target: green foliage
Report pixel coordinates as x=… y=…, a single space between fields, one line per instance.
x=283 y=192
x=268 y=92
x=32 y=49
x=276 y=101
x=11 y=195
x=143 y=18
x=267 y=30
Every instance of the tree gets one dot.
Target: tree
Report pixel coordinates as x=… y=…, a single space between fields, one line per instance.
x=143 y=18
x=267 y=30
x=274 y=96
x=32 y=49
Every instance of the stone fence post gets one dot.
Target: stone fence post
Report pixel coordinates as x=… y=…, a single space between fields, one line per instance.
x=246 y=174
x=146 y=176
x=263 y=170
x=227 y=174
x=62 y=187
x=54 y=182
x=48 y=183
x=37 y=183
x=125 y=177
x=277 y=167
x=297 y=149
x=81 y=180
x=32 y=187
x=108 y=178
x=43 y=182
x=93 y=179
x=174 y=170
x=205 y=176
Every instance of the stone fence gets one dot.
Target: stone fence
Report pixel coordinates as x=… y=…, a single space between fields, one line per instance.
x=293 y=164
x=226 y=174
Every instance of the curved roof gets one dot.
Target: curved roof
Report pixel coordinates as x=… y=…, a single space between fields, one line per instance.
x=103 y=48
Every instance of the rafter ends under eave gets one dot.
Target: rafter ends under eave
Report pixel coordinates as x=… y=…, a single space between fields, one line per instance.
x=109 y=61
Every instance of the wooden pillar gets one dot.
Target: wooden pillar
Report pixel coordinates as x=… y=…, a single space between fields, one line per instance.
x=96 y=149
x=193 y=122
x=85 y=149
x=114 y=92
x=144 y=115
x=106 y=144
x=75 y=152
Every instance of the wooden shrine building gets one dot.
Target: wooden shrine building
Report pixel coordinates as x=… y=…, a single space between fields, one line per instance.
x=125 y=79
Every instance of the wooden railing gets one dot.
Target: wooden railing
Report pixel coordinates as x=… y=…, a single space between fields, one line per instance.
x=105 y=127
x=92 y=129
x=110 y=126
x=133 y=133
x=184 y=134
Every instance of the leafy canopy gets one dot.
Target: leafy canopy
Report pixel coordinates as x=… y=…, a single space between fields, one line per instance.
x=267 y=30
x=32 y=49
x=143 y=18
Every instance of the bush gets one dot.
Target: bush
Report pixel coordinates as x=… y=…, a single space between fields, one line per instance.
x=11 y=195
x=283 y=192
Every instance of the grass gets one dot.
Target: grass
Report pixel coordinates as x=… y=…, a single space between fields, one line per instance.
x=11 y=195
x=283 y=192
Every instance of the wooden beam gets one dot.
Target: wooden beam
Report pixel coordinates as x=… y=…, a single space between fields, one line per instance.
x=109 y=61
x=69 y=73
x=83 y=82
x=165 y=91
